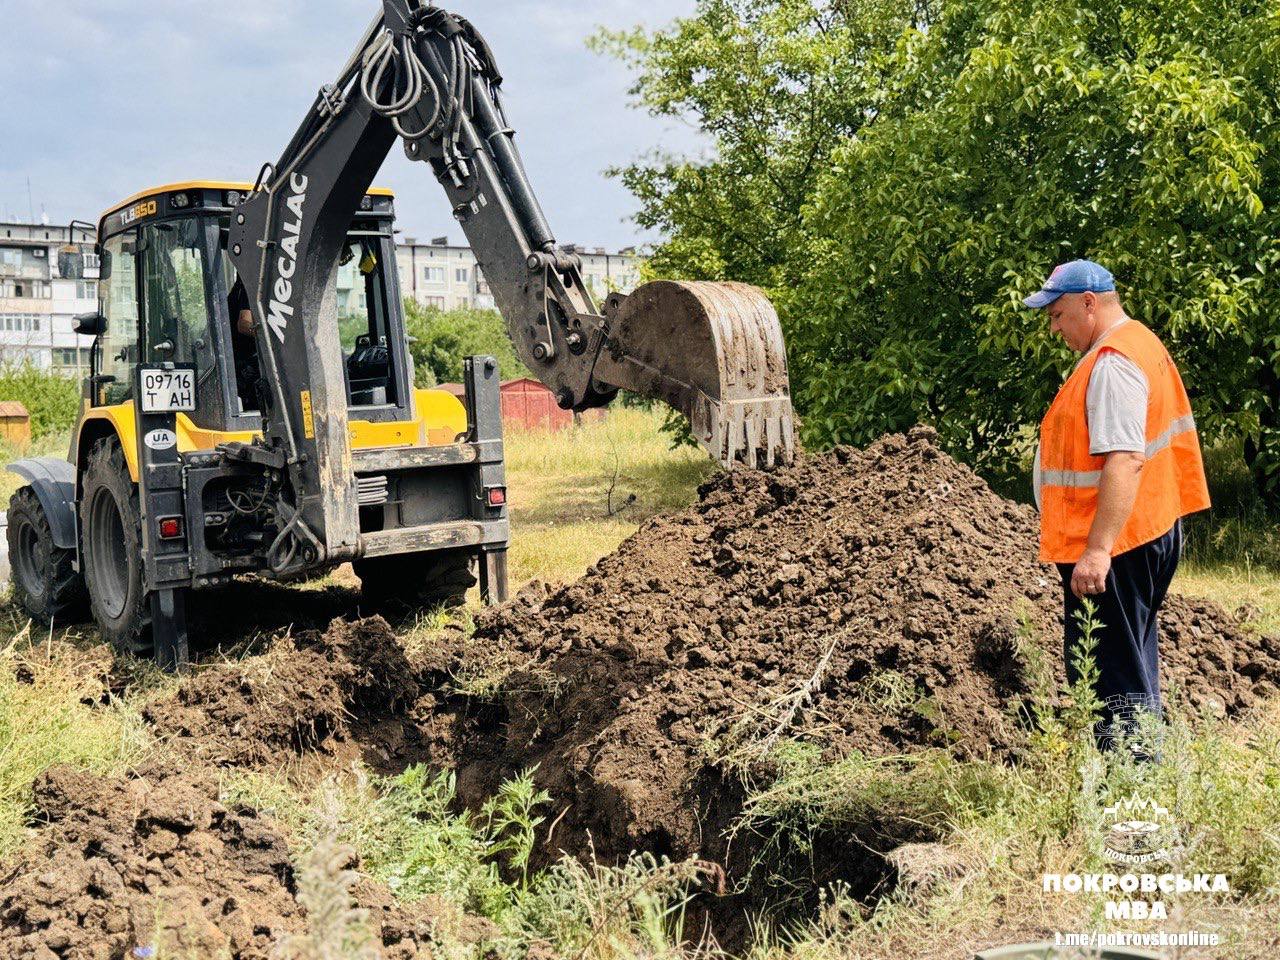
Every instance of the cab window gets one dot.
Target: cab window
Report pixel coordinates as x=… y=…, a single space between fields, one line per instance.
x=176 y=295
x=118 y=346
x=362 y=322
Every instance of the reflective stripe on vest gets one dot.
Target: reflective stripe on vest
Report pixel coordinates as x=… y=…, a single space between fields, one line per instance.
x=1081 y=479
x=1171 y=482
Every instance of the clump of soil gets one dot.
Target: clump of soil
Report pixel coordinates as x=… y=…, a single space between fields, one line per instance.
x=294 y=698
x=156 y=861
x=879 y=600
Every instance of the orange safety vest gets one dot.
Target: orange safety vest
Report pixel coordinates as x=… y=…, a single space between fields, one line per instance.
x=1172 y=482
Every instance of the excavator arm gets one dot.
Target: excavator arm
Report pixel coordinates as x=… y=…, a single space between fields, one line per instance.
x=426 y=78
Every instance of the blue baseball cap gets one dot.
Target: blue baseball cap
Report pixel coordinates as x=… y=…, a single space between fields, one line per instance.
x=1078 y=276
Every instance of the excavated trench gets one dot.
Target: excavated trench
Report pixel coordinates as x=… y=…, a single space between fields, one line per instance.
x=873 y=602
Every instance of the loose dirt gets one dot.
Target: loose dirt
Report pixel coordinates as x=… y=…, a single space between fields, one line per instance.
x=155 y=861
x=297 y=697
x=881 y=601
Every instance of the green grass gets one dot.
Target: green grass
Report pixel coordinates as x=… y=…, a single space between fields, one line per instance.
x=1232 y=552
x=578 y=493
x=55 y=708
x=410 y=835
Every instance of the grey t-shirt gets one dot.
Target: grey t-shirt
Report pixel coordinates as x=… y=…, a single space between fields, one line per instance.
x=1116 y=407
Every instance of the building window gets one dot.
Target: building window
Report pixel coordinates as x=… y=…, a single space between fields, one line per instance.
x=460 y=274
x=11 y=257
x=71 y=357
x=91 y=261
x=433 y=274
x=437 y=302
x=86 y=290
x=21 y=322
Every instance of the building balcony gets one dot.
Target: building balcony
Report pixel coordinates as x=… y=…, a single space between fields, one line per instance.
x=10 y=272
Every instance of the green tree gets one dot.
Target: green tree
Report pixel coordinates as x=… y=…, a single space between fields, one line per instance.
x=441 y=339
x=997 y=138
x=775 y=85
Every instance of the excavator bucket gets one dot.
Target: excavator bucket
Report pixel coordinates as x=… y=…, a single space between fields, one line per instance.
x=713 y=351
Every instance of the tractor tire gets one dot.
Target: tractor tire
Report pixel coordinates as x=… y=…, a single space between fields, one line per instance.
x=439 y=578
x=111 y=539
x=45 y=584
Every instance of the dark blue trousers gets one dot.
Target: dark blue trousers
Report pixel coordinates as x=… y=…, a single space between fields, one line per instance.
x=1128 y=653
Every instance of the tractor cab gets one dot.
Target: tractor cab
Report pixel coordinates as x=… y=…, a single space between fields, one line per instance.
x=171 y=295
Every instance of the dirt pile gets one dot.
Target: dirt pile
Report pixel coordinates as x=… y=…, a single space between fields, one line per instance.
x=156 y=861
x=292 y=699
x=879 y=600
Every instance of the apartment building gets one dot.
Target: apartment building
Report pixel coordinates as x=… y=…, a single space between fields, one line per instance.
x=444 y=275
x=48 y=274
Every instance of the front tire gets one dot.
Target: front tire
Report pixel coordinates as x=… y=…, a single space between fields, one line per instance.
x=111 y=531
x=45 y=584
x=436 y=578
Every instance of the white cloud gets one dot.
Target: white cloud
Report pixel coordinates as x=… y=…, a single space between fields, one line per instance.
x=103 y=97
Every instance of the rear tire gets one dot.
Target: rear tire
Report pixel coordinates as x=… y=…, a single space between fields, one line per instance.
x=45 y=584
x=437 y=578
x=111 y=532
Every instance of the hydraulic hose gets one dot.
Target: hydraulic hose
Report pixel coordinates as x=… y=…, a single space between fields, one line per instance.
x=412 y=87
x=408 y=69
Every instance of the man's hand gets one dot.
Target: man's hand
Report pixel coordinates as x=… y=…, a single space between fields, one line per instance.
x=1117 y=493
x=1090 y=573
x=244 y=322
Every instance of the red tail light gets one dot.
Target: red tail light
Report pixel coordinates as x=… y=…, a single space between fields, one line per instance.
x=170 y=528
x=495 y=496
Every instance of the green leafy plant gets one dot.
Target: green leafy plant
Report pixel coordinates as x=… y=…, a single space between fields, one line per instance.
x=899 y=175
x=441 y=339
x=51 y=400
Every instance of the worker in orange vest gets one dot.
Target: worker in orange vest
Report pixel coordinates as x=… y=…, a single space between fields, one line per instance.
x=1117 y=467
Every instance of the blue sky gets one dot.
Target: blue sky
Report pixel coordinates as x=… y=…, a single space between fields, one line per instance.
x=103 y=98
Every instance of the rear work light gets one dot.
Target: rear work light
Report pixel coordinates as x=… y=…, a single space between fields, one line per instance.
x=495 y=496
x=170 y=528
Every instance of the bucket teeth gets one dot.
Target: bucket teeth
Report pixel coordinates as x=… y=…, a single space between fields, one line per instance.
x=755 y=433
x=715 y=352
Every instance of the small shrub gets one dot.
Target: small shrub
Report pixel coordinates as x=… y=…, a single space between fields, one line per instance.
x=52 y=401
x=441 y=339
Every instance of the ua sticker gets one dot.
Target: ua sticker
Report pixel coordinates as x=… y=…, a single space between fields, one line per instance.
x=160 y=439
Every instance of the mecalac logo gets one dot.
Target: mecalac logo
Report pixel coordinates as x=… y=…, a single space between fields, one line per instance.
x=280 y=309
x=1139 y=831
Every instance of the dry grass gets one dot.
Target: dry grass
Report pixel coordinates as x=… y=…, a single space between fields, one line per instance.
x=1234 y=587
x=575 y=495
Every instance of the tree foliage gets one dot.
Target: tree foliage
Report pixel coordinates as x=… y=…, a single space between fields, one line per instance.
x=441 y=339
x=52 y=400
x=994 y=139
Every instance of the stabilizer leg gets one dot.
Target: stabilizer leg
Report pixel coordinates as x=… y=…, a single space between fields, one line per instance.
x=169 y=629
x=493 y=577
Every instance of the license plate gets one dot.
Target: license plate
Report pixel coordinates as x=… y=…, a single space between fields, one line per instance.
x=168 y=391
